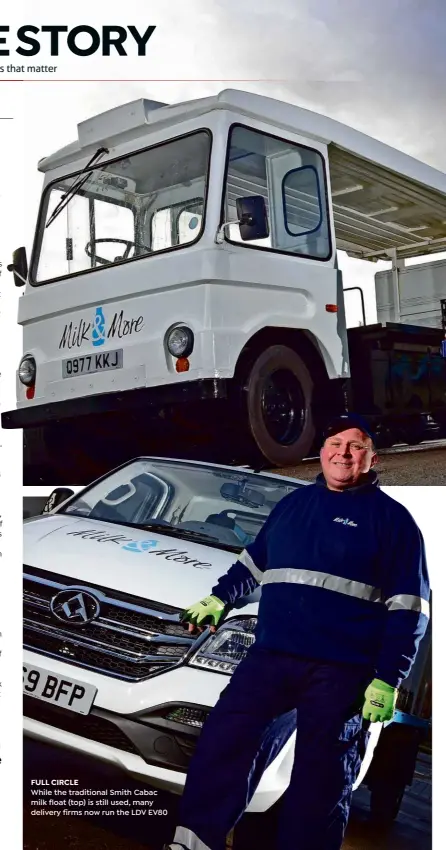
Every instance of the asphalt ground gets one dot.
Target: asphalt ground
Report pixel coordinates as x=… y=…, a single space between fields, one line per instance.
x=402 y=465
x=411 y=830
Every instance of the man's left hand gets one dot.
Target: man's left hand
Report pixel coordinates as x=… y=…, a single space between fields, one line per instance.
x=380 y=701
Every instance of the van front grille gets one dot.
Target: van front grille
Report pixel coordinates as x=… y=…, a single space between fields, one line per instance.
x=126 y=637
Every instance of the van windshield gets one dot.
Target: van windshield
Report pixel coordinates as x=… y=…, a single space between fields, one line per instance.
x=138 y=205
x=216 y=506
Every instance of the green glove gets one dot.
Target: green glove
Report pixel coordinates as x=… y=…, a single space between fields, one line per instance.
x=207 y=612
x=380 y=701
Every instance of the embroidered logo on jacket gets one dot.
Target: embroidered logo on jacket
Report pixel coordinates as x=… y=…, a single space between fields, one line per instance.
x=346 y=521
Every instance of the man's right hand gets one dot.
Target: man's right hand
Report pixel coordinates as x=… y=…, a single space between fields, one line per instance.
x=380 y=701
x=206 y=612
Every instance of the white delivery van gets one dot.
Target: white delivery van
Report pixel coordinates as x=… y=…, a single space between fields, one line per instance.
x=109 y=670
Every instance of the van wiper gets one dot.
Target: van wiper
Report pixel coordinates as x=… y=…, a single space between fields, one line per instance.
x=174 y=531
x=164 y=528
x=75 y=187
x=187 y=533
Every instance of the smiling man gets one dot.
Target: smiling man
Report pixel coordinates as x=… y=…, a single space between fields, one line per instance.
x=348 y=454
x=344 y=605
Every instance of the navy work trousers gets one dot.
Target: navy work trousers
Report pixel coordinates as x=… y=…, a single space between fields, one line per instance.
x=330 y=743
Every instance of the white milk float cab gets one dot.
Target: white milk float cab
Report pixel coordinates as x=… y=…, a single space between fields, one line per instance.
x=187 y=254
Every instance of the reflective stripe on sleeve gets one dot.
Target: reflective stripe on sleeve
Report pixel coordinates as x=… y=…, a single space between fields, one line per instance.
x=246 y=560
x=406 y=602
x=188 y=839
x=324 y=580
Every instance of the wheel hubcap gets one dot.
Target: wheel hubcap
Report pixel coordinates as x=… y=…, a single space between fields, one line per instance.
x=283 y=409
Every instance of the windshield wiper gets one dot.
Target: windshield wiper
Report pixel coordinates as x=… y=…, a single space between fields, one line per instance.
x=185 y=533
x=75 y=187
x=174 y=531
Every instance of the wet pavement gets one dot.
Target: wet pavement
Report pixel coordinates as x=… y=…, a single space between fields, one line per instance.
x=411 y=830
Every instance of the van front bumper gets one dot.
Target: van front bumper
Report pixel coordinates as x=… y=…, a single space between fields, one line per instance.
x=151 y=748
x=150 y=735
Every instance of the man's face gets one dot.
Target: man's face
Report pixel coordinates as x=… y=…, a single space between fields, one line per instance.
x=345 y=457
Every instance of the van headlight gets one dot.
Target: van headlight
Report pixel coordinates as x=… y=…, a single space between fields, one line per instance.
x=27 y=370
x=180 y=341
x=224 y=650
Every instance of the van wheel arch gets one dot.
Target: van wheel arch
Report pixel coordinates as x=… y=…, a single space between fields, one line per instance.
x=283 y=365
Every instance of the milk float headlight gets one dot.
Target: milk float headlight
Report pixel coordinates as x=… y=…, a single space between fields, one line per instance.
x=27 y=370
x=180 y=341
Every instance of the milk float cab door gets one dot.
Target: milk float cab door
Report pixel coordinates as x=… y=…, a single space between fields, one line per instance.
x=292 y=179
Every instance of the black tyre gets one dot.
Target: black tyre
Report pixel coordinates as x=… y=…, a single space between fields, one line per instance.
x=385 y=439
x=278 y=397
x=385 y=802
x=412 y=432
x=413 y=437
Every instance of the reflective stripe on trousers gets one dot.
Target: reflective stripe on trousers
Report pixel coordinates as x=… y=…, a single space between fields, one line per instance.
x=188 y=839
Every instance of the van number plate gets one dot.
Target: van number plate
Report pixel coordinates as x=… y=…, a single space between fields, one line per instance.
x=66 y=693
x=88 y=363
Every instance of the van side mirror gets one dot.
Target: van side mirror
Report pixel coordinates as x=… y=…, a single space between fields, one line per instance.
x=59 y=495
x=252 y=218
x=19 y=266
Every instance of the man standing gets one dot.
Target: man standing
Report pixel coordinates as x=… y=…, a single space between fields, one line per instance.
x=344 y=605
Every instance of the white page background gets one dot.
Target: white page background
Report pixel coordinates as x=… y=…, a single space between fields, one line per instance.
x=367 y=65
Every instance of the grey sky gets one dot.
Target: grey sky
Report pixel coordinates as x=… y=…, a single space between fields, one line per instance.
x=379 y=65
